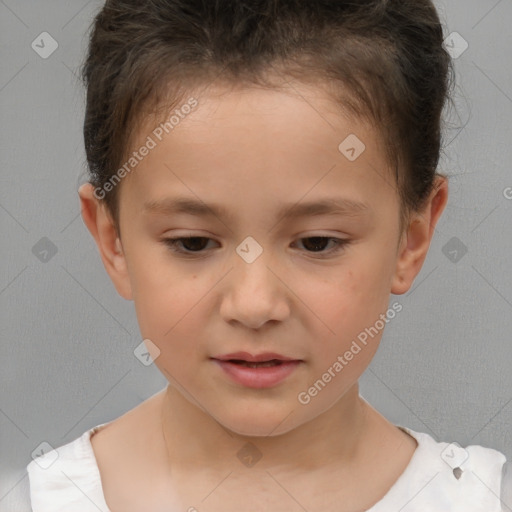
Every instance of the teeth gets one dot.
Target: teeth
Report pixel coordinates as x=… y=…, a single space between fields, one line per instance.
x=261 y=364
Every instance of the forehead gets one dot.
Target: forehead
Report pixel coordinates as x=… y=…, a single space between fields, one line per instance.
x=306 y=111
x=274 y=142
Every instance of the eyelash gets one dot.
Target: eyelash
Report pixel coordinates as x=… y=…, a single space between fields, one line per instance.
x=172 y=244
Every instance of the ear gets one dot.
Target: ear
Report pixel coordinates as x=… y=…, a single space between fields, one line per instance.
x=416 y=240
x=102 y=228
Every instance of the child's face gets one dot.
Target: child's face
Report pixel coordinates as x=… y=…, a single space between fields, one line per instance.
x=256 y=153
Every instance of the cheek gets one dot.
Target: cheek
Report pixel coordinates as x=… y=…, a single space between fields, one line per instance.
x=168 y=317
x=164 y=299
x=168 y=302
x=348 y=296
x=343 y=308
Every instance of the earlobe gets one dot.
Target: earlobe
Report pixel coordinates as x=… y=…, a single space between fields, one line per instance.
x=101 y=226
x=416 y=241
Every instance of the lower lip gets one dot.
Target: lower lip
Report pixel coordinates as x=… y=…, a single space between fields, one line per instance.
x=263 y=377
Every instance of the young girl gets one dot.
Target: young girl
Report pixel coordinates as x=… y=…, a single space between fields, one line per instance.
x=263 y=178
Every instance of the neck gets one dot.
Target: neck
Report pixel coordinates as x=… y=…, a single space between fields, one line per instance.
x=334 y=437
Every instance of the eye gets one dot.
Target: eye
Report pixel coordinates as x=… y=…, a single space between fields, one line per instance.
x=192 y=244
x=314 y=244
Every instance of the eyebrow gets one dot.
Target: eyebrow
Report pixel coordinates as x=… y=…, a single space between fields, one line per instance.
x=326 y=206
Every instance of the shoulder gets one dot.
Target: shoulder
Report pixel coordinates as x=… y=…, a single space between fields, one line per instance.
x=67 y=477
x=129 y=454
x=446 y=476
x=470 y=476
x=89 y=472
x=123 y=440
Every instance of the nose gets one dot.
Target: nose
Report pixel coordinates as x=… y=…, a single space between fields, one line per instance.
x=254 y=294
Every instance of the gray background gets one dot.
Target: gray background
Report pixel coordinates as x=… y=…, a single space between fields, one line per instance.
x=67 y=338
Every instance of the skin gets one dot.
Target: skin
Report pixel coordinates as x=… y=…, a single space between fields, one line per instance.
x=184 y=440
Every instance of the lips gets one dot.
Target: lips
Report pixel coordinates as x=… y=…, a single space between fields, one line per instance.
x=261 y=364
x=257 y=358
x=256 y=371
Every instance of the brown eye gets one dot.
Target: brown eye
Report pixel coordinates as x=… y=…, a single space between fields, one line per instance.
x=194 y=244
x=317 y=244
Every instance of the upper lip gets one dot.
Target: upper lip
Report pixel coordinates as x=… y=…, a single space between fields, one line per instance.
x=256 y=358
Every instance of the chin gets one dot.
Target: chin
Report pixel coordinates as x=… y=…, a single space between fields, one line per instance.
x=258 y=422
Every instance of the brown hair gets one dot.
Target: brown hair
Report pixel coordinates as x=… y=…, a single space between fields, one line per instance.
x=383 y=60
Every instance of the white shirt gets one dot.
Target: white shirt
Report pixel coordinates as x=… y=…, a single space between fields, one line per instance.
x=68 y=479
